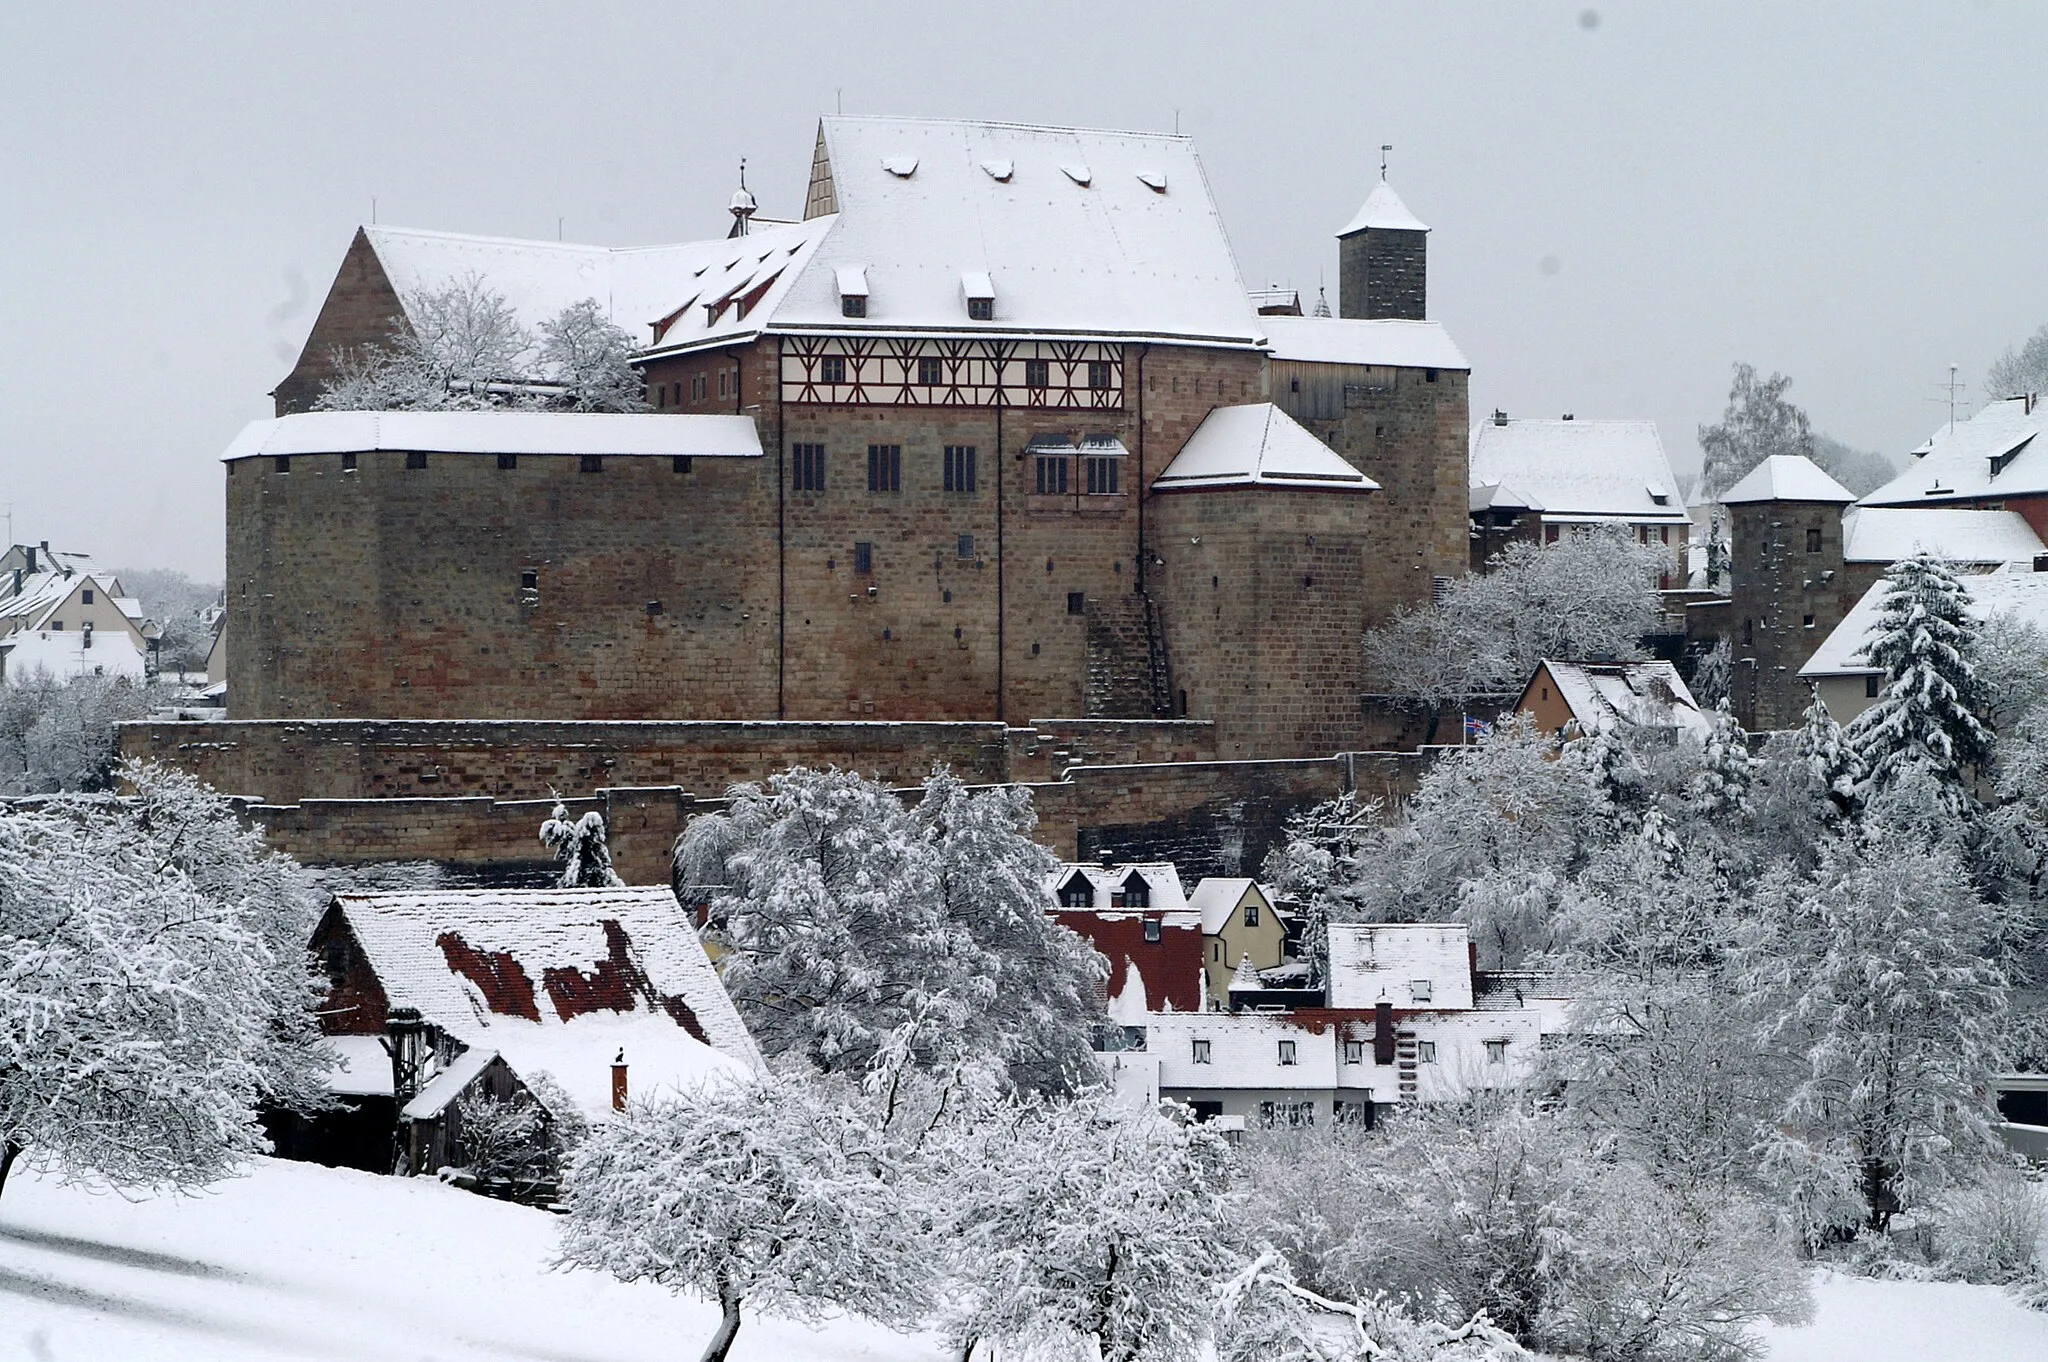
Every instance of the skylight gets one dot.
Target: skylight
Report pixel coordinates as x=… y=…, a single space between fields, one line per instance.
x=1080 y=175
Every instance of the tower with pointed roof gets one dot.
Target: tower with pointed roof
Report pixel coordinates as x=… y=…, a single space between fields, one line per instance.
x=1383 y=260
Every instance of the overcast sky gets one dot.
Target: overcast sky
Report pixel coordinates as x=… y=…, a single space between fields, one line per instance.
x=1626 y=199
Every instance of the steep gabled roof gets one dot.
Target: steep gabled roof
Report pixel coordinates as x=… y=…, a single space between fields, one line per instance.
x=1393 y=342
x=1787 y=477
x=1218 y=896
x=1258 y=445
x=558 y=980
x=1580 y=470
x=1995 y=453
x=1162 y=881
x=1601 y=695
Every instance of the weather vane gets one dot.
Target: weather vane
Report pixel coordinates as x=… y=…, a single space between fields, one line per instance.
x=1385 y=147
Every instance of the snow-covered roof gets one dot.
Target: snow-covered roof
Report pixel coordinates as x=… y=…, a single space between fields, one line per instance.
x=1499 y=496
x=43 y=594
x=1217 y=897
x=559 y=980
x=1161 y=878
x=64 y=654
x=1602 y=694
x=1379 y=962
x=1352 y=340
x=446 y=1085
x=1598 y=470
x=1995 y=453
x=1258 y=445
x=2021 y=593
x=1382 y=210
x=362 y=1066
x=1954 y=534
x=1085 y=232
x=498 y=432
x=1787 y=477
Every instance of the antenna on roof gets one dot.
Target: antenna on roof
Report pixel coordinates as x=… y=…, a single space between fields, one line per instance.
x=1953 y=390
x=839 y=99
x=373 y=210
x=558 y=227
x=1385 y=147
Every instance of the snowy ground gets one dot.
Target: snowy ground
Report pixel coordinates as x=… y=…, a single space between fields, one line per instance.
x=301 y=1262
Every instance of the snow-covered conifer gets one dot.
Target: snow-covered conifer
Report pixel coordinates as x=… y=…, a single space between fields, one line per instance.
x=1319 y=866
x=769 y=1194
x=1721 y=788
x=589 y=357
x=580 y=845
x=1928 y=713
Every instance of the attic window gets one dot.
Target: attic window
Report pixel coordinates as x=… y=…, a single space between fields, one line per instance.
x=1080 y=175
x=1660 y=498
x=1137 y=893
x=902 y=167
x=999 y=171
x=980 y=292
x=1999 y=461
x=1076 y=892
x=1419 y=990
x=1154 y=180
x=853 y=290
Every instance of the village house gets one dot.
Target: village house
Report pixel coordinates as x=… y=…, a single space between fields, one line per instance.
x=437 y=996
x=1139 y=919
x=1545 y=479
x=61 y=614
x=1580 y=699
x=1240 y=924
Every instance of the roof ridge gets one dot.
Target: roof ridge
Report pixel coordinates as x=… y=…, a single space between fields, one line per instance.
x=1010 y=125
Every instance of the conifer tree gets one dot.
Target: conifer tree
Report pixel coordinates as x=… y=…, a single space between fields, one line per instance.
x=581 y=846
x=1830 y=760
x=1927 y=714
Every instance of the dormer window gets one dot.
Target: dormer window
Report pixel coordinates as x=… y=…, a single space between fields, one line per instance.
x=1659 y=498
x=853 y=290
x=1077 y=892
x=980 y=292
x=1137 y=893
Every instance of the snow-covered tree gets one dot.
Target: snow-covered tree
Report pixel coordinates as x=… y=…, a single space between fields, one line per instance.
x=1929 y=712
x=1861 y=471
x=1720 y=789
x=1588 y=596
x=1833 y=770
x=58 y=735
x=845 y=916
x=152 y=995
x=1713 y=675
x=768 y=1193
x=580 y=845
x=1319 y=866
x=1877 y=970
x=589 y=357
x=1758 y=424
x=2012 y=668
x=2021 y=369
x=1087 y=1229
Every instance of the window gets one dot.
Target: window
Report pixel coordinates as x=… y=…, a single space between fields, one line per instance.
x=1251 y=915
x=1286 y=1114
x=416 y=459
x=1870 y=686
x=1808 y=621
x=508 y=461
x=1077 y=603
x=1286 y=1053
x=832 y=369
x=679 y=463
x=1153 y=931
x=1429 y=375
x=863 y=557
x=963 y=547
x=885 y=468
x=1813 y=540
x=697 y=387
x=1137 y=892
x=348 y=463
x=1354 y=1052
x=283 y=463
x=1419 y=990
x=1077 y=893
x=1496 y=1052
x=1037 y=373
x=1550 y=534
x=1098 y=373
x=57 y=626
x=1425 y=1052
x=1052 y=475
x=981 y=309
x=1351 y=1113
x=1101 y=471
x=529 y=579
x=85 y=597
x=931 y=372
x=721 y=381
x=960 y=468
x=1200 y=1046
x=806 y=468
x=591 y=463
x=853 y=305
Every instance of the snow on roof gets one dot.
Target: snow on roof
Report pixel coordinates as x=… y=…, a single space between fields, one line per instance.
x=1954 y=534
x=1498 y=496
x=498 y=432
x=559 y=980
x=1162 y=880
x=1602 y=694
x=445 y=1086
x=1995 y=453
x=362 y=1066
x=1100 y=252
x=2020 y=593
x=1786 y=477
x=1353 y=340
x=43 y=594
x=1217 y=897
x=1379 y=962
x=1595 y=469
x=1258 y=445
x=1384 y=211
x=63 y=654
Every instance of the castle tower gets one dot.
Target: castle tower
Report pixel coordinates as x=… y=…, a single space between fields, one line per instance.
x=1383 y=260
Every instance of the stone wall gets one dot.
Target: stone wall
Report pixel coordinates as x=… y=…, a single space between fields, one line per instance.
x=1784 y=599
x=1383 y=272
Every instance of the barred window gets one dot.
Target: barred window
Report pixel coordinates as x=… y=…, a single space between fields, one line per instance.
x=832 y=369
x=1098 y=373
x=1102 y=474
x=1052 y=475
x=807 y=468
x=885 y=468
x=964 y=546
x=1037 y=373
x=853 y=305
x=930 y=372
x=960 y=468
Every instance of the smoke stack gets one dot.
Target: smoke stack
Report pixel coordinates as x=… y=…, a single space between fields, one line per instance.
x=1383 y=1032
x=619 y=1082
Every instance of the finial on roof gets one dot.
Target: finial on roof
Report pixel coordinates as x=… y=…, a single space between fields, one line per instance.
x=742 y=205
x=1385 y=147
x=1322 y=302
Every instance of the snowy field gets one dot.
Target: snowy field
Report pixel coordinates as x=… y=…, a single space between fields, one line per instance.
x=301 y=1262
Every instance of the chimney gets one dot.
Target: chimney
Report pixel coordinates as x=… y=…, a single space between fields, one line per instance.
x=2041 y=562
x=1500 y=418
x=619 y=1082
x=1383 y=1032
x=30 y=549
x=1567 y=416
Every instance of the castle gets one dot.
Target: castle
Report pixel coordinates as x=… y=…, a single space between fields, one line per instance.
x=994 y=433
